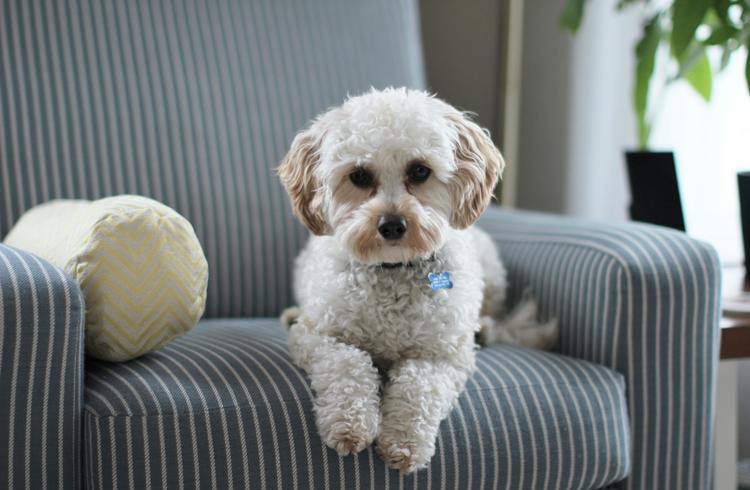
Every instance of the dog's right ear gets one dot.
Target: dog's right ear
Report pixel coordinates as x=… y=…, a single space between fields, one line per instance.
x=297 y=173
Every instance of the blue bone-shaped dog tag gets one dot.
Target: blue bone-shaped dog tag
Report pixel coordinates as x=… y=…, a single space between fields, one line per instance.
x=440 y=281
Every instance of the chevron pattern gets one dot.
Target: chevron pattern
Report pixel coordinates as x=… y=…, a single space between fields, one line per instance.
x=143 y=276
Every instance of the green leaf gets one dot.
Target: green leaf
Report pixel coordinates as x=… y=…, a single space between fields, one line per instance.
x=747 y=67
x=720 y=35
x=726 y=54
x=689 y=58
x=721 y=7
x=570 y=17
x=699 y=76
x=686 y=17
x=645 y=53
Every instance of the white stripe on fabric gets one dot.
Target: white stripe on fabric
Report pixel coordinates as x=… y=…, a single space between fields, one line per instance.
x=176 y=431
x=191 y=417
x=160 y=420
x=478 y=433
x=14 y=376
x=670 y=341
x=32 y=368
x=113 y=451
x=514 y=417
x=88 y=448
x=284 y=359
x=459 y=414
x=493 y=441
x=558 y=439
x=141 y=403
x=4 y=169
x=243 y=443
x=271 y=417
x=146 y=441
x=529 y=422
x=711 y=338
x=255 y=348
x=76 y=368
x=225 y=430
x=52 y=330
x=99 y=449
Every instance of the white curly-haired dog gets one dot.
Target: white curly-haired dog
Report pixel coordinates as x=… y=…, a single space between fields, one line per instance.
x=395 y=276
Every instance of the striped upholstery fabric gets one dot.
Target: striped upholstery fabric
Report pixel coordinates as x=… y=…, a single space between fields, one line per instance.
x=190 y=102
x=644 y=301
x=224 y=408
x=41 y=374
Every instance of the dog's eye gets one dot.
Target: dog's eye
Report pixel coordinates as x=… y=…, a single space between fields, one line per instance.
x=418 y=173
x=361 y=177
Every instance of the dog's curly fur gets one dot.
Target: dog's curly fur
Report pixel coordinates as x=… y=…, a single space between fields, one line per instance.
x=365 y=302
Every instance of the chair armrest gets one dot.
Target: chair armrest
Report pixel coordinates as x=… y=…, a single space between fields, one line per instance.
x=640 y=299
x=41 y=374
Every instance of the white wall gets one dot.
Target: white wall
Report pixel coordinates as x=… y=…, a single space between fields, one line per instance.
x=575 y=111
x=463 y=53
x=545 y=86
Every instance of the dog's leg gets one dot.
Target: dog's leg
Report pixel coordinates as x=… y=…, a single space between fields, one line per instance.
x=346 y=385
x=419 y=395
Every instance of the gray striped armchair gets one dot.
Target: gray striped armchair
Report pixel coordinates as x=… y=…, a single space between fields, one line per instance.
x=192 y=102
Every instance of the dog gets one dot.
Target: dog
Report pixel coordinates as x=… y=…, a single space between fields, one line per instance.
x=395 y=279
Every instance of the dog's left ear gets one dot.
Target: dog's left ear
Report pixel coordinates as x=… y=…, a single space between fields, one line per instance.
x=479 y=166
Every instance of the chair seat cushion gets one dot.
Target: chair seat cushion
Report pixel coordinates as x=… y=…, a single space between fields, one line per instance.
x=224 y=407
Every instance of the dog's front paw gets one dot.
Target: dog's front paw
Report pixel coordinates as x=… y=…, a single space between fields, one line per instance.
x=401 y=455
x=349 y=426
x=347 y=438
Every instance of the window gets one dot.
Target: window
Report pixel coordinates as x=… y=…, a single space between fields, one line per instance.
x=711 y=142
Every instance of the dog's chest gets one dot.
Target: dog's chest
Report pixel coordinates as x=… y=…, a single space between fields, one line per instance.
x=396 y=313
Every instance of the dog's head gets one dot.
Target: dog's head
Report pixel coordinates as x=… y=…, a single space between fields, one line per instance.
x=388 y=172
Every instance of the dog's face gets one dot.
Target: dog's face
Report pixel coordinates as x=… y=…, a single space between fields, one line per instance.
x=388 y=172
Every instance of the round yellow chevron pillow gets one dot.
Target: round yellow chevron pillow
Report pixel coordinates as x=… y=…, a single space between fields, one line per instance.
x=139 y=264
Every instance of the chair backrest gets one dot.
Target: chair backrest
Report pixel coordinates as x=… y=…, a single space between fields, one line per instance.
x=192 y=103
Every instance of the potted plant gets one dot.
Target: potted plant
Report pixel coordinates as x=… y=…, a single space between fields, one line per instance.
x=688 y=28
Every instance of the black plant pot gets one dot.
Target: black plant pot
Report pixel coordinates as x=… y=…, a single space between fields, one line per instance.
x=654 y=189
x=743 y=182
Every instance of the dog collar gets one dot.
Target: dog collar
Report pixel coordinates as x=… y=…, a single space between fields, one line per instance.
x=396 y=265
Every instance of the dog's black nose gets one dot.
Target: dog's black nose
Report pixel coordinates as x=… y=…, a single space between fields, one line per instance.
x=391 y=226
